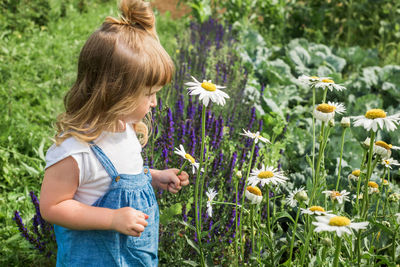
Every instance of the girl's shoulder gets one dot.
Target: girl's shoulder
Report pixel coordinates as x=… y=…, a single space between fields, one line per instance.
x=70 y=146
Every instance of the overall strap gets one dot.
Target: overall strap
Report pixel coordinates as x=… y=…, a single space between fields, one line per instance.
x=104 y=160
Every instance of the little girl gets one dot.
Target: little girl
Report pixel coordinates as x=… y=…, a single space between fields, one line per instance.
x=95 y=188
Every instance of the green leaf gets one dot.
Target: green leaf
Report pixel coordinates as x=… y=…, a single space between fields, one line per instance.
x=193 y=245
x=188 y=225
x=29 y=169
x=283 y=214
x=382 y=227
x=168 y=213
x=191 y=263
x=371 y=76
x=299 y=56
x=269 y=106
x=336 y=62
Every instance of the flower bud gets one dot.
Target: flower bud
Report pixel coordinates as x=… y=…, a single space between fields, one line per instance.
x=366 y=142
x=331 y=123
x=326 y=242
x=395 y=197
x=239 y=174
x=345 y=122
x=386 y=223
x=301 y=196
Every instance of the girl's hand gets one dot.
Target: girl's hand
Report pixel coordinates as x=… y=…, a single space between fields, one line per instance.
x=129 y=221
x=169 y=180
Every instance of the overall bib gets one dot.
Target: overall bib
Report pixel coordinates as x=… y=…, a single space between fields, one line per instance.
x=110 y=248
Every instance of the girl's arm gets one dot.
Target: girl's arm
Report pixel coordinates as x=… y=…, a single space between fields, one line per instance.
x=58 y=206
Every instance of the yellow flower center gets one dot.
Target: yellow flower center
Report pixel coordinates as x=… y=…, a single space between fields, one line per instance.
x=373 y=184
x=339 y=221
x=254 y=190
x=314 y=77
x=190 y=158
x=317 y=208
x=335 y=194
x=385 y=182
x=383 y=144
x=327 y=81
x=265 y=175
x=325 y=108
x=375 y=113
x=356 y=173
x=209 y=86
x=387 y=162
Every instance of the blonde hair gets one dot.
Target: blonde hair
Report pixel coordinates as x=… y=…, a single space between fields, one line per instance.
x=117 y=63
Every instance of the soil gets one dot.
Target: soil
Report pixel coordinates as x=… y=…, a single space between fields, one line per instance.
x=171 y=6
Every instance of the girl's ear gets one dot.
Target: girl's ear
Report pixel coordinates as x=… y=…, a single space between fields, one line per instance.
x=142 y=132
x=121 y=126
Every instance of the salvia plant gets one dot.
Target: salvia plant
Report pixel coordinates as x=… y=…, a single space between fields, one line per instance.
x=39 y=233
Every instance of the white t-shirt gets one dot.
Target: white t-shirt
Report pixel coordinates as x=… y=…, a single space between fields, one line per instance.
x=122 y=148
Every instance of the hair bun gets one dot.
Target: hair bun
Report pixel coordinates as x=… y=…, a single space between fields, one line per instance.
x=137 y=12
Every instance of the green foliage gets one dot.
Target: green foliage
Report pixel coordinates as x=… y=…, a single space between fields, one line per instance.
x=338 y=23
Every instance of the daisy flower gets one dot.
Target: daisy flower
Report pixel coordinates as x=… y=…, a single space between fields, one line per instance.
x=266 y=175
x=389 y=162
x=256 y=136
x=326 y=112
x=385 y=182
x=297 y=195
x=326 y=82
x=384 y=149
x=375 y=119
x=354 y=175
x=336 y=195
x=207 y=91
x=181 y=152
x=373 y=187
x=211 y=193
x=339 y=224
x=315 y=210
x=253 y=193
x=308 y=80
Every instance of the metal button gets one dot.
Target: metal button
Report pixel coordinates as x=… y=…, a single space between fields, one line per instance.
x=117 y=178
x=145 y=171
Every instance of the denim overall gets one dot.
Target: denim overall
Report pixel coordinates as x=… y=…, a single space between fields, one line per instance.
x=110 y=248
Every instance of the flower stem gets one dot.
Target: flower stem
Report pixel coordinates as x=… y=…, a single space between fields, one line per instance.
x=369 y=172
x=242 y=202
x=394 y=244
x=305 y=250
x=183 y=166
x=359 y=182
x=337 y=251
x=313 y=127
x=202 y=181
x=198 y=178
x=340 y=161
x=236 y=223
x=293 y=236
x=325 y=92
x=316 y=173
x=252 y=226
x=386 y=192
